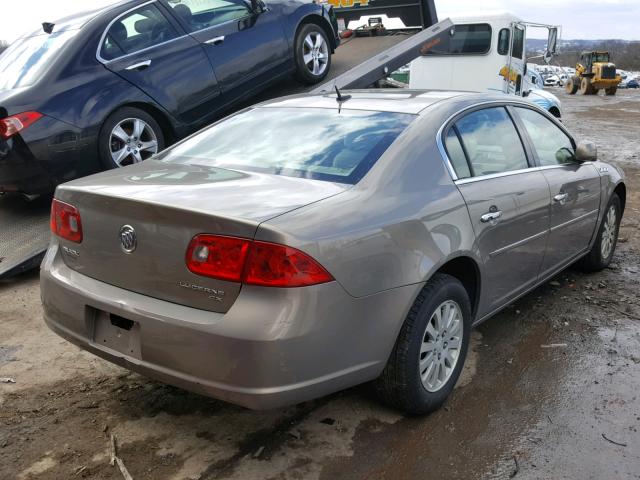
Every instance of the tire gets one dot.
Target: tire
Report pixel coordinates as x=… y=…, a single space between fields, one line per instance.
x=312 y=59
x=141 y=147
x=400 y=385
x=611 y=91
x=572 y=85
x=600 y=254
x=585 y=87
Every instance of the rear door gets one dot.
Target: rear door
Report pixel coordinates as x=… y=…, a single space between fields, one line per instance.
x=244 y=47
x=574 y=187
x=508 y=202
x=146 y=49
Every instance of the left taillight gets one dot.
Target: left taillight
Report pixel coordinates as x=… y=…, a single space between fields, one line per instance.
x=65 y=221
x=16 y=123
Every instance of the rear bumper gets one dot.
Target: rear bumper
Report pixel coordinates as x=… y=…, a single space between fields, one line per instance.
x=20 y=171
x=274 y=347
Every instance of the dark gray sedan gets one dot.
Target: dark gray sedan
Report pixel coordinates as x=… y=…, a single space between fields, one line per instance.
x=306 y=245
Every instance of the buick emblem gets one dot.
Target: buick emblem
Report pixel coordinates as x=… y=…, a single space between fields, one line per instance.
x=128 y=238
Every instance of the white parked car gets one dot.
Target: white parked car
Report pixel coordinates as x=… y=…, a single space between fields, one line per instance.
x=552 y=81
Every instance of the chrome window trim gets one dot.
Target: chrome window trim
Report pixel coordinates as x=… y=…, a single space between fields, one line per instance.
x=106 y=30
x=497 y=103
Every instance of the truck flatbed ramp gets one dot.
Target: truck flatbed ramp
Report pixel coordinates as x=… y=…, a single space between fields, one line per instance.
x=24 y=233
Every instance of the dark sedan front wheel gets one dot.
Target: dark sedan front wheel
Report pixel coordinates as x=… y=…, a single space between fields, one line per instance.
x=313 y=54
x=429 y=353
x=129 y=136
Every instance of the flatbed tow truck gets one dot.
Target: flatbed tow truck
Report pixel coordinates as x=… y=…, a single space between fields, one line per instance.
x=358 y=63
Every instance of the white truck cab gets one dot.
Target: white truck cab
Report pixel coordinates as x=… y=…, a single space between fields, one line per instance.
x=485 y=52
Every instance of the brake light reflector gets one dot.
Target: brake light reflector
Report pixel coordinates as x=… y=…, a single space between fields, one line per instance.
x=65 y=221
x=11 y=125
x=253 y=262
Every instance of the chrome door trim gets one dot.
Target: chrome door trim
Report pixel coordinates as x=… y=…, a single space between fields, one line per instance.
x=573 y=220
x=518 y=243
x=106 y=30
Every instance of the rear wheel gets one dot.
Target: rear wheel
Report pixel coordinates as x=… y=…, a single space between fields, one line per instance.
x=602 y=251
x=572 y=85
x=611 y=90
x=312 y=54
x=128 y=136
x=430 y=350
x=586 y=88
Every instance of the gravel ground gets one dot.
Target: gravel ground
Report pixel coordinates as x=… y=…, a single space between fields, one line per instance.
x=520 y=410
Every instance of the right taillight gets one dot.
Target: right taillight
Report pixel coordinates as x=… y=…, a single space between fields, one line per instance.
x=65 y=221
x=253 y=262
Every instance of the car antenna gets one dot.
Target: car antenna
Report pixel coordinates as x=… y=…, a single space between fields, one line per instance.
x=341 y=98
x=48 y=27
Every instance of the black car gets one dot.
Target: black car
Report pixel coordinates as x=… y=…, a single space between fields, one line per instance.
x=111 y=87
x=633 y=84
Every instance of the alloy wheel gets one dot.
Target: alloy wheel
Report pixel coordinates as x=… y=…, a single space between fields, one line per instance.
x=441 y=344
x=315 y=53
x=132 y=141
x=608 y=233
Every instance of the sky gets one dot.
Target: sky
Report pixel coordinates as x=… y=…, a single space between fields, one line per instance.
x=580 y=19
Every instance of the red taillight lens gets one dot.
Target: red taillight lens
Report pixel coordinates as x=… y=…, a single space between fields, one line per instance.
x=65 y=221
x=11 y=125
x=253 y=262
x=275 y=265
x=217 y=257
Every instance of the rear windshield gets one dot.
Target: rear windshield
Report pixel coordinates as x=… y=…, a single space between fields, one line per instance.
x=322 y=144
x=25 y=61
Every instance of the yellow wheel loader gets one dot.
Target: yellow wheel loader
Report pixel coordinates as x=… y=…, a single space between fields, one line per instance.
x=594 y=72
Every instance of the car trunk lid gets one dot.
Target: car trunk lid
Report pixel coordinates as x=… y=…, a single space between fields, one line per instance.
x=167 y=205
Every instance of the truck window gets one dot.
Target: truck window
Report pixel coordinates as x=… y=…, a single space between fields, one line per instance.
x=473 y=39
x=504 y=38
x=518 y=43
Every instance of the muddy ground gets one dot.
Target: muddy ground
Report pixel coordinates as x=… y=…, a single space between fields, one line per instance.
x=521 y=410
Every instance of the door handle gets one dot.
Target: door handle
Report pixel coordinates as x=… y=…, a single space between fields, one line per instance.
x=488 y=217
x=215 y=41
x=139 y=66
x=560 y=198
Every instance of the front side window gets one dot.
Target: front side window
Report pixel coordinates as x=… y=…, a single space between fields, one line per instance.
x=140 y=29
x=518 y=43
x=504 y=37
x=491 y=142
x=318 y=143
x=467 y=40
x=200 y=14
x=552 y=145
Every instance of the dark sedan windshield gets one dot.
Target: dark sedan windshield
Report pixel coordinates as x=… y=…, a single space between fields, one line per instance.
x=25 y=61
x=316 y=143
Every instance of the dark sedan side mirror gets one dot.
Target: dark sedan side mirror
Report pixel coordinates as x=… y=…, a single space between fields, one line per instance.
x=586 y=152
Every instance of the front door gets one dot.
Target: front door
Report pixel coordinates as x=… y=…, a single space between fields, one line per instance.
x=143 y=47
x=574 y=188
x=508 y=203
x=244 y=47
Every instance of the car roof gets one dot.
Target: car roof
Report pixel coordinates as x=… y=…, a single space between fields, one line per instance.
x=415 y=102
x=80 y=18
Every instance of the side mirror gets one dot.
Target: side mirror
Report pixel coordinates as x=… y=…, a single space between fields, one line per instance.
x=552 y=45
x=586 y=152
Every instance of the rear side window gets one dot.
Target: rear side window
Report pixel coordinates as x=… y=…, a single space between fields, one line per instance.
x=503 y=41
x=200 y=14
x=467 y=40
x=318 y=143
x=140 y=29
x=552 y=145
x=491 y=142
x=456 y=154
